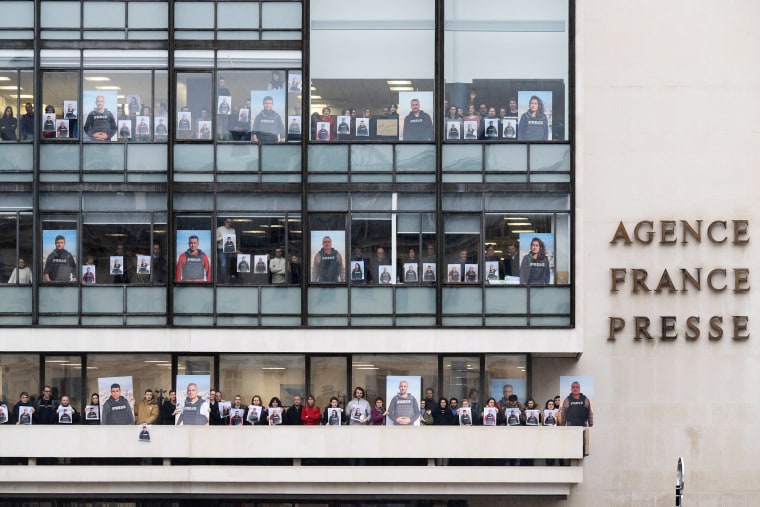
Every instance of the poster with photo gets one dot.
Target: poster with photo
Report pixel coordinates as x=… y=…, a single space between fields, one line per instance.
x=492 y=271
x=535 y=113
x=117 y=264
x=184 y=120
x=254 y=413
x=537 y=258
x=416 y=111
x=509 y=128
x=357 y=271
x=344 y=125
x=124 y=129
x=384 y=275
x=260 y=264
x=294 y=82
x=454 y=275
x=244 y=116
x=98 y=124
x=586 y=384
x=334 y=416
x=59 y=253
x=48 y=123
x=3 y=414
x=161 y=126
x=62 y=129
x=294 y=125
x=550 y=417
x=403 y=393
x=133 y=105
x=502 y=388
x=143 y=434
x=143 y=264
x=229 y=244
x=236 y=416
x=428 y=271
x=513 y=416
x=453 y=130
x=142 y=128
x=362 y=127
x=410 y=272
x=243 y=263
x=268 y=124
x=470 y=273
x=223 y=105
x=120 y=391
x=70 y=109
x=65 y=415
x=490 y=415
x=88 y=275
x=192 y=400
x=25 y=415
x=224 y=408
x=92 y=413
x=532 y=417
x=491 y=128
x=323 y=131
x=275 y=416
x=193 y=263
x=470 y=130
x=204 y=130
x=327 y=250
x=465 y=416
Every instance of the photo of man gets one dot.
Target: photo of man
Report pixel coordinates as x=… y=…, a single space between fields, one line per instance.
x=88 y=275
x=143 y=264
x=193 y=263
x=118 y=396
x=403 y=409
x=192 y=400
x=100 y=125
x=70 y=109
x=327 y=262
x=268 y=126
x=117 y=264
x=60 y=263
x=243 y=263
x=417 y=124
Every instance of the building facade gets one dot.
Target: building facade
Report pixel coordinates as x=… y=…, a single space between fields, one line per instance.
x=299 y=198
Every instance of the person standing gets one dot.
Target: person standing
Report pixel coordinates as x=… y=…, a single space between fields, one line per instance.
x=358 y=409
x=418 y=126
x=21 y=275
x=27 y=123
x=225 y=253
x=278 y=267
x=146 y=412
x=60 y=265
x=294 y=412
x=46 y=407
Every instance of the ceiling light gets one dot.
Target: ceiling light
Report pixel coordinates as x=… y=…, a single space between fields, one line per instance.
x=97 y=78
x=316 y=97
x=399 y=82
x=515 y=219
x=526 y=231
x=10 y=87
x=109 y=87
x=401 y=89
x=4 y=78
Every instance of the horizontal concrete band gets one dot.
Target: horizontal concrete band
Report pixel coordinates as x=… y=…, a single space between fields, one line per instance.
x=288 y=481
x=210 y=442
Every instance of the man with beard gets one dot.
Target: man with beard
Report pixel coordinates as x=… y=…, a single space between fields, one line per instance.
x=60 y=265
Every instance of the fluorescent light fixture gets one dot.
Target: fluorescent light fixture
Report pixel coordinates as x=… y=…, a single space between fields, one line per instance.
x=254 y=231
x=273 y=368
x=520 y=224
x=109 y=87
x=399 y=83
x=9 y=87
x=401 y=89
x=97 y=78
x=515 y=219
x=4 y=78
x=316 y=97
x=526 y=231
x=21 y=96
x=368 y=368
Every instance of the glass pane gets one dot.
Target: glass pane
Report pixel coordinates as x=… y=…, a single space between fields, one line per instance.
x=371 y=301
x=281 y=15
x=193 y=299
x=507 y=157
x=266 y=376
x=461 y=380
x=193 y=105
x=193 y=15
x=415 y=158
x=328 y=379
x=512 y=300
x=463 y=248
x=60 y=93
x=15 y=243
x=146 y=158
x=326 y=301
x=237 y=300
x=550 y=158
x=15 y=299
x=146 y=300
x=188 y=157
x=526 y=99
x=102 y=300
x=415 y=300
x=506 y=375
x=104 y=14
x=370 y=371
x=19 y=373
x=59 y=158
x=57 y=14
x=281 y=158
x=462 y=301
x=237 y=158
x=58 y=300
x=103 y=158
x=148 y=15
x=281 y=300
x=148 y=371
x=63 y=377
x=59 y=250
x=328 y=158
x=243 y=15
x=462 y=158
x=550 y=300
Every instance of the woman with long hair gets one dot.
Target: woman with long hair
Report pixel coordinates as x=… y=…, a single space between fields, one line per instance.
x=535 y=268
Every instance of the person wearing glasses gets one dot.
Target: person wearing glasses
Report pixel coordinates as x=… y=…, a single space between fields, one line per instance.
x=46 y=408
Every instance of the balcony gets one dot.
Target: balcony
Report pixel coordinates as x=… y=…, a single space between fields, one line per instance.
x=289 y=462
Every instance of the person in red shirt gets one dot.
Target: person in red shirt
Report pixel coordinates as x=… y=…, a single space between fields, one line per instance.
x=193 y=265
x=310 y=415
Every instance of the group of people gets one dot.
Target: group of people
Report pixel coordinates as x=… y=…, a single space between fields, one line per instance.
x=403 y=410
x=479 y=121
